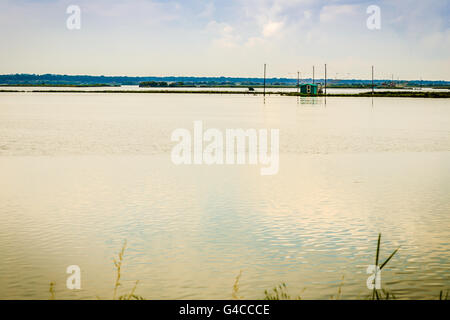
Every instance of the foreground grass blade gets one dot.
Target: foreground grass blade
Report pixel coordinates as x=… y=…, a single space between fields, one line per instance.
x=378 y=249
x=387 y=260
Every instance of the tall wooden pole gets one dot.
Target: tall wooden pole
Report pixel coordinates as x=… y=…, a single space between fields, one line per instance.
x=372 y=80
x=313 y=75
x=325 y=79
x=264 y=79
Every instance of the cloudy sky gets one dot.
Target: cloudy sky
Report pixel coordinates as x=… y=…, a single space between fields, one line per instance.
x=227 y=38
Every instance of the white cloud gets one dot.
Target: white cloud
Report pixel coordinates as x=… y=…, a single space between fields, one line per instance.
x=223 y=34
x=272 y=28
x=254 y=42
x=118 y=36
x=307 y=14
x=334 y=12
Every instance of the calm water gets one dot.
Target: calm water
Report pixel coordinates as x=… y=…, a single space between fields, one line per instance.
x=79 y=173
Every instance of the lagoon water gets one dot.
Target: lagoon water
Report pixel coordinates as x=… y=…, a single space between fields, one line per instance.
x=80 y=173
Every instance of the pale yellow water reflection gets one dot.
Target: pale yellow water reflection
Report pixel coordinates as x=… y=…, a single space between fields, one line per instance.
x=80 y=173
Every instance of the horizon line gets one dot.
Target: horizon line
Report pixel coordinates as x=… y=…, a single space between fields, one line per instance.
x=212 y=77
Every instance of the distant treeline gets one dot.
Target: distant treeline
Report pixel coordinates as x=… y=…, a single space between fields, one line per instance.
x=85 y=80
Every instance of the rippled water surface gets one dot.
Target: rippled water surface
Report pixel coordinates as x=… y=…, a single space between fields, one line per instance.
x=79 y=173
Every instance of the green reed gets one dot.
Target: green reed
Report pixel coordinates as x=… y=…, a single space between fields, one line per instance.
x=377 y=294
x=279 y=292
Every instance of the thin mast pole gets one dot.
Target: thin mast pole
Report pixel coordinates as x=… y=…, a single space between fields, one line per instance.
x=264 y=79
x=313 y=75
x=372 y=80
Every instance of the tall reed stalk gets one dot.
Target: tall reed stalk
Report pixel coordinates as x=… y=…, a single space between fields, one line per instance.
x=375 y=293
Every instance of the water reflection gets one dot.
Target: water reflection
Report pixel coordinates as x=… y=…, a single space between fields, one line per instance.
x=80 y=173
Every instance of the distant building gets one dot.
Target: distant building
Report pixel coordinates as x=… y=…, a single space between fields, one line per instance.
x=309 y=88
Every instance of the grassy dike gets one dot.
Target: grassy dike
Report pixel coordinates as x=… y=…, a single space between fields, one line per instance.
x=394 y=94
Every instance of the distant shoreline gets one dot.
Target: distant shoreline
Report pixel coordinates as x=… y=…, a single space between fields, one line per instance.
x=401 y=94
x=61 y=85
x=259 y=86
x=211 y=81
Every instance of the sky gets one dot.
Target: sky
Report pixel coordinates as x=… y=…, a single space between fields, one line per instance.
x=228 y=38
